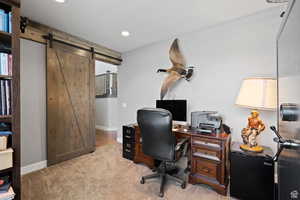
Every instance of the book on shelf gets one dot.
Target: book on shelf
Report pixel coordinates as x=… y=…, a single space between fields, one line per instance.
x=5 y=64
x=9 y=195
x=5 y=95
x=6 y=191
x=9 y=22
x=4 y=188
x=5 y=21
x=5 y=127
x=4 y=184
x=5 y=133
x=4 y=144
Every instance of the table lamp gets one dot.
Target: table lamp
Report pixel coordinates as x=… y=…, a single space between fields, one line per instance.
x=257 y=94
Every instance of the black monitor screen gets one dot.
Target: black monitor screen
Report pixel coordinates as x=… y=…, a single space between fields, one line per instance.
x=176 y=107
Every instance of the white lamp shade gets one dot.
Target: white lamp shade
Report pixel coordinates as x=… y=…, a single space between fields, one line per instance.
x=258 y=93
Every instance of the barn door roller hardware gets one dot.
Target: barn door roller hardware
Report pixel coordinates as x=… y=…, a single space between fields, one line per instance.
x=50 y=38
x=23 y=24
x=92 y=50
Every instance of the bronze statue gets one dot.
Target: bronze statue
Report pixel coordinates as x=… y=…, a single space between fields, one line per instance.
x=254 y=128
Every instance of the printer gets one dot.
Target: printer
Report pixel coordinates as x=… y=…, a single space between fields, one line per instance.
x=206 y=122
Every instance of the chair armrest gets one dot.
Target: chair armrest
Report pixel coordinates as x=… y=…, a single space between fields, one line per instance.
x=181 y=144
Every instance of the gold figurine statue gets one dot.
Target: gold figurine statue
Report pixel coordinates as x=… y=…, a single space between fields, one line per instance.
x=249 y=134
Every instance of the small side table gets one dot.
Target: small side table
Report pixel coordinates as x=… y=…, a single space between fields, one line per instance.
x=251 y=174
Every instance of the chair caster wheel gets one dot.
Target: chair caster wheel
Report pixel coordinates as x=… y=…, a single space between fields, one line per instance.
x=161 y=194
x=142 y=181
x=183 y=185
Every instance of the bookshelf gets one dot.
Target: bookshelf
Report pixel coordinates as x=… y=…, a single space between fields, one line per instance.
x=10 y=44
x=5 y=116
x=5 y=76
x=5 y=38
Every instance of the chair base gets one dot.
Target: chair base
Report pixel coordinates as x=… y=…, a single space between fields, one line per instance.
x=163 y=174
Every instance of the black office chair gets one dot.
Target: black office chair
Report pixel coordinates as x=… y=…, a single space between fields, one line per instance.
x=159 y=142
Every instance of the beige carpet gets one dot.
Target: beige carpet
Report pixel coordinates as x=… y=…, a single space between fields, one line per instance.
x=104 y=175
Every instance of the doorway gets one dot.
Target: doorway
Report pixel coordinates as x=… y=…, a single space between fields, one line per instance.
x=106 y=103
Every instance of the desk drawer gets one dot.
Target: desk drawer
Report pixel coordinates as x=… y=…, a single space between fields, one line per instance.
x=128 y=137
x=128 y=149
x=206 y=168
x=128 y=145
x=128 y=133
x=206 y=153
x=128 y=154
x=199 y=141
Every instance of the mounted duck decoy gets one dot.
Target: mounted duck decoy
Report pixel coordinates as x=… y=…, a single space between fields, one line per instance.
x=177 y=71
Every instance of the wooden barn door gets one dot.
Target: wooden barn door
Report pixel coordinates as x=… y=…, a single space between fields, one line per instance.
x=70 y=102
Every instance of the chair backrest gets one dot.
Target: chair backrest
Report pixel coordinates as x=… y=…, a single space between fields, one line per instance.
x=158 y=140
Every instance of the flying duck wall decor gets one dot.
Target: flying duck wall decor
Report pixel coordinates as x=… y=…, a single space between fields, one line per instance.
x=177 y=71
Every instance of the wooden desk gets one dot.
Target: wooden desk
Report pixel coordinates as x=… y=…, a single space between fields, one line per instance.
x=208 y=157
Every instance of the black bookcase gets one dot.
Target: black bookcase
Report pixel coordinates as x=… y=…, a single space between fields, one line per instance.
x=251 y=174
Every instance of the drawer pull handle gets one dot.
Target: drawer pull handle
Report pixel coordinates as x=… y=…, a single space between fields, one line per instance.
x=202 y=155
x=205 y=169
x=127 y=150
x=206 y=144
x=127 y=136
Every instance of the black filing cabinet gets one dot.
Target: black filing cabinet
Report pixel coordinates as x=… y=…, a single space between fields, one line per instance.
x=251 y=174
x=128 y=142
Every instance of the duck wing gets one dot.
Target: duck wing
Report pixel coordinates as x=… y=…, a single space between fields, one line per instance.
x=176 y=56
x=168 y=83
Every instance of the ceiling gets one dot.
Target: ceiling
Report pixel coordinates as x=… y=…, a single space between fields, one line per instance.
x=148 y=21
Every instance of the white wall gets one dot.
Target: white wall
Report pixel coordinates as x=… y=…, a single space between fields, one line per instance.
x=106 y=108
x=224 y=54
x=106 y=114
x=102 y=67
x=33 y=103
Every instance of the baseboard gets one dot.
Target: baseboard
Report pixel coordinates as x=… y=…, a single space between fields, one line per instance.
x=33 y=167
x=105 y=128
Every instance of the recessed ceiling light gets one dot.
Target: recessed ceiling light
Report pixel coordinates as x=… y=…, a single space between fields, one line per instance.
x=60 y=1
x=125 y=33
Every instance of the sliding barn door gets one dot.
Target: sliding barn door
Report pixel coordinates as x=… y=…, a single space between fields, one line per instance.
x=70 y=102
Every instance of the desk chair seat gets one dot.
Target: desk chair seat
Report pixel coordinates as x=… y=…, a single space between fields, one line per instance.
x=159 y=142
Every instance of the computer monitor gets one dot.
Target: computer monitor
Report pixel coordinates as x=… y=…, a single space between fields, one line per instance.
x=176 y=107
